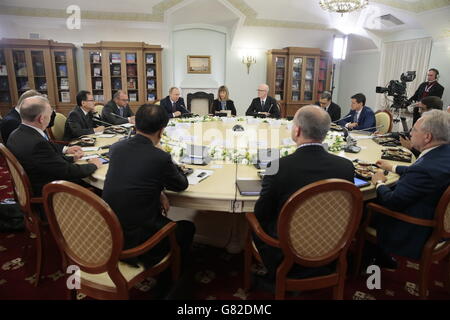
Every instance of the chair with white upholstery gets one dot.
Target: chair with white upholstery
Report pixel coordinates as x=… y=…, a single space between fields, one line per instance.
x=383 y=118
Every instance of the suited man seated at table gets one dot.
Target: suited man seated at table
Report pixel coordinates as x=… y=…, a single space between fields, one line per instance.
x=117 y=111
x=308 y=164
x=80 y=120
x=174 y=104
x=418 y=190
x=263 y=105
x=135 y=191
x=223 y=102
x=360 y=116
x=332 y=108
x=41 y=159
x=12 y=120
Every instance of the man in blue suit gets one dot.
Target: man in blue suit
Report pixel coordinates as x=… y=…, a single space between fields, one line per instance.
x=173 y=104
x=419 y=188
x=360 y=117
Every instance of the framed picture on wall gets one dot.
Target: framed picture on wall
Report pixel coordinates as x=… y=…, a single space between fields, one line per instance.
x=198 y=64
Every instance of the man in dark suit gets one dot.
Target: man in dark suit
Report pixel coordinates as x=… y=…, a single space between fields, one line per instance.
x=42 y=161
x=173 y=104
x=135 y=191
x=117 y=110
x=80 y=120
x=12 y=120
x=419 y=188
x=332 y=108
x=360 y=116
x=263 y=105
x=310 y=163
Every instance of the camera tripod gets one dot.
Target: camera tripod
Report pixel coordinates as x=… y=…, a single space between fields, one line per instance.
x=397 y=117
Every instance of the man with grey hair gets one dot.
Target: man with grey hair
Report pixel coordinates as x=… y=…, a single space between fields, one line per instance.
x=264 y=105
x=174 y=104
x=332 y=108
x=308 y=164
x=117 y=110
x=42 y=161
x=419 y=188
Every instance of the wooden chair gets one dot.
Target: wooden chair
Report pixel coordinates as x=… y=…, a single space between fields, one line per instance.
x=200 y=103
x=315 y=227
x=434 y=250
x=384 y=118
x=27 y=203
x=89 y=236
x=56 y=133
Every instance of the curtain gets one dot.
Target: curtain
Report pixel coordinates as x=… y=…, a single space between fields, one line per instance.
x=398 y=57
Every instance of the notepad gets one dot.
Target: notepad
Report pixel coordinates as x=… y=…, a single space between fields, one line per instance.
x=249 y=187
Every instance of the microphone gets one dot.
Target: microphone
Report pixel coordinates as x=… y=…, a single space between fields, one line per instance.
x=188 y=113
x=347 y=116
x=367 y=129
x=101 y=121
x=117 y=116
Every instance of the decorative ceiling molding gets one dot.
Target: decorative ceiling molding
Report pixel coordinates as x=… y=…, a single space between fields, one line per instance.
x=416 y=7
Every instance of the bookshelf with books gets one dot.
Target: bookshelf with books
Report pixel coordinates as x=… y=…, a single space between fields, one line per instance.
x=124 y=66
x=296 y=76
x=65 y=76
x=30 y=64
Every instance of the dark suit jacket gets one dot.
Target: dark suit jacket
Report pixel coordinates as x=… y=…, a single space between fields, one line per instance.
x=306 y=165
x=270 y=104
x=436 y=90
x=42 y=161
x=366 y=119
x=10 y=123
x=333 y=110
x=416 y=194
x=137 y=173
x=229 y=106
x=78 y=124
x=180 y=106
x=111 y=107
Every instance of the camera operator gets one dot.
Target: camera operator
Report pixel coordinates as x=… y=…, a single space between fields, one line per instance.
x=431 y=87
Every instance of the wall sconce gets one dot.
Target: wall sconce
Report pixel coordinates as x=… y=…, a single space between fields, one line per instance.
x=248 y=61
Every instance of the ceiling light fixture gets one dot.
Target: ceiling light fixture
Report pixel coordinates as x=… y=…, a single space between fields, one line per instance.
x=342 y=6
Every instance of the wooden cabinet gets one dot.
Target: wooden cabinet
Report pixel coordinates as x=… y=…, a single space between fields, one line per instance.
x=44 y=65
x=297 y=76
x=134 y=67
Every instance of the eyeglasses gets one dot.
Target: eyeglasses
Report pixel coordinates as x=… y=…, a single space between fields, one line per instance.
x=259 y=90
x=92 y=100
x=125 y=100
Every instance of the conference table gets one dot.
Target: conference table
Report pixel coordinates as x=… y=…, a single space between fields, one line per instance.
x=215 y=204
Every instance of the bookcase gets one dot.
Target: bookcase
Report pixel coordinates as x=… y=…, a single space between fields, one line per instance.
x=44 y=65
x=134 y=67
x=297 y=76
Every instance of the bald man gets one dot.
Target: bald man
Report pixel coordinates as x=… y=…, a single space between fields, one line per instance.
x=263 y=105
x=310 y=163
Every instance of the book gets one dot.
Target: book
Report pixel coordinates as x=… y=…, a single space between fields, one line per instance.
x=150 y=72
x=309 y=75
x=132 y=96
x=60 y=57
x=3 y=83
x=131 y=83
x=115 y=70
x=3 y=71
x=150 y=84
x=97 y=72
x=280 y=63
x=249 y=187
x=131 y=58
x=116 y=84
x=308 y=86
x=150 y=58
x=322 y=75
x=62 y=70
x=98 y=85
x=278 y=97
x=64 y=84
x=65 y=96
x=323 y=64
x=98 y=97
x=96 y=58
x=131 y=71
x=115 y=58
x=151 y=97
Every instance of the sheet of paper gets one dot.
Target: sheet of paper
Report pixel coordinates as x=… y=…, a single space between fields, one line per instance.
x=127 y=125
x=106 y=135
x=91 y=156
x=194 y=178
x=86 y=149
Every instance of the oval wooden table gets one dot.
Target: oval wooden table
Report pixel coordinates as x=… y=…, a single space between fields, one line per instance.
x=218 y=193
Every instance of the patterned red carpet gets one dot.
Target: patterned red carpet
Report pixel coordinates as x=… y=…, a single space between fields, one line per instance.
x=217 y=275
